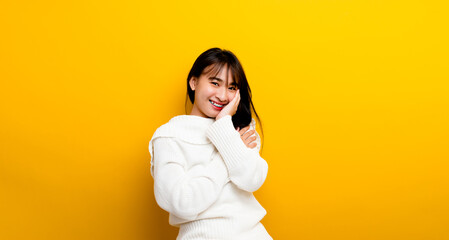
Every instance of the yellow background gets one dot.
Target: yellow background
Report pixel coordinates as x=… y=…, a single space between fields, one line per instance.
x=353 y=97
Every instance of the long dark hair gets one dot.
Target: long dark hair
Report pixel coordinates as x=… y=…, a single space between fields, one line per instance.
x=219 y=58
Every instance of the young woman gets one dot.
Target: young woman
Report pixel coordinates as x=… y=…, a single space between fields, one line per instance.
x=206 y=165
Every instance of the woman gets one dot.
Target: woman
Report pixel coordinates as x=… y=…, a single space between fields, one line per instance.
x=206 y=165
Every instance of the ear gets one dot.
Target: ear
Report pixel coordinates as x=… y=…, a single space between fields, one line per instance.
x=192 y=82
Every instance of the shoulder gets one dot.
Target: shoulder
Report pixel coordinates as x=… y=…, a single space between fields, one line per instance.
x=165 y=130
x=186 y=128
x=168 y=129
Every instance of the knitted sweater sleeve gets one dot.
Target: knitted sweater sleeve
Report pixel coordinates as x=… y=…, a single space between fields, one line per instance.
x=182 y=191
x=247 y=169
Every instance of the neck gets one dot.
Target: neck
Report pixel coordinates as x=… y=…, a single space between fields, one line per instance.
x=195 y=111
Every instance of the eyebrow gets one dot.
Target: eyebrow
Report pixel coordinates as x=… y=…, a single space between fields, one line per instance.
x=221 y=80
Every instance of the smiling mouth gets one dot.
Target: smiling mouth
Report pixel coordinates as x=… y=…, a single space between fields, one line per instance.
x=215 y=104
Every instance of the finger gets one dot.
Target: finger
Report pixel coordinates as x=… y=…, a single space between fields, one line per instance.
x=244 y=130
x=249 y=140
x=253 y=145
x=236 y=96
x=236 y=99
x=247 y=134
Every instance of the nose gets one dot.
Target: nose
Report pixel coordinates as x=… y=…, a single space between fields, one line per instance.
x=221 y=94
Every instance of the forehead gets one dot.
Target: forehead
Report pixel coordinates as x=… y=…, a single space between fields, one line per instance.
x=218 y=72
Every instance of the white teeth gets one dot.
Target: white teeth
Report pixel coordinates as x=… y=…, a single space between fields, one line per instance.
x=215 y=104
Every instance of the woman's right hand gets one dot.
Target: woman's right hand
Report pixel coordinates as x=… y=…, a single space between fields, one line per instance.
x=245 y=136
x=231 y=108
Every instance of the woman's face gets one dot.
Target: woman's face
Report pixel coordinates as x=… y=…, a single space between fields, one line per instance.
x=210 y=90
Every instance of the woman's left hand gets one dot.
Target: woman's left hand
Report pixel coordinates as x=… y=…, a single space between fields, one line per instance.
x=245 y=136
x=231 y=107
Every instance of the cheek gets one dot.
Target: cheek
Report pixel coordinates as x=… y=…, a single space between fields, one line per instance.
x=208 y=92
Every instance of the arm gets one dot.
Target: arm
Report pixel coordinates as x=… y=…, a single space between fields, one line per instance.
x=181 y=191
x=245 y=166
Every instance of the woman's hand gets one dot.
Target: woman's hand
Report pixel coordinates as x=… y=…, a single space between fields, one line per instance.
x=245 y=136
x=231 y=108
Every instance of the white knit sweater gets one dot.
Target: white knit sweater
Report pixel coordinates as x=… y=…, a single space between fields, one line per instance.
x=204 y=176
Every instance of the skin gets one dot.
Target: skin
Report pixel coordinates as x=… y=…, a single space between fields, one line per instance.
x=222 y=92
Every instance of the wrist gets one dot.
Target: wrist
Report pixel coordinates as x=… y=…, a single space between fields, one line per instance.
x=221 y=116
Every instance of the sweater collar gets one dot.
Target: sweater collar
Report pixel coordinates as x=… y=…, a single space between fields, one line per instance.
x=192 y=120
x=189 y=128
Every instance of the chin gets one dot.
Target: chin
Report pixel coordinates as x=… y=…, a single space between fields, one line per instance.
x=212 y=115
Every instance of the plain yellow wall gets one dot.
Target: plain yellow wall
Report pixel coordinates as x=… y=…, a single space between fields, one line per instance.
x=353 y=97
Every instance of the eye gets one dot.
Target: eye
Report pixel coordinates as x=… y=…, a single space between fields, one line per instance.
x=232 y=88
x=214 y=83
